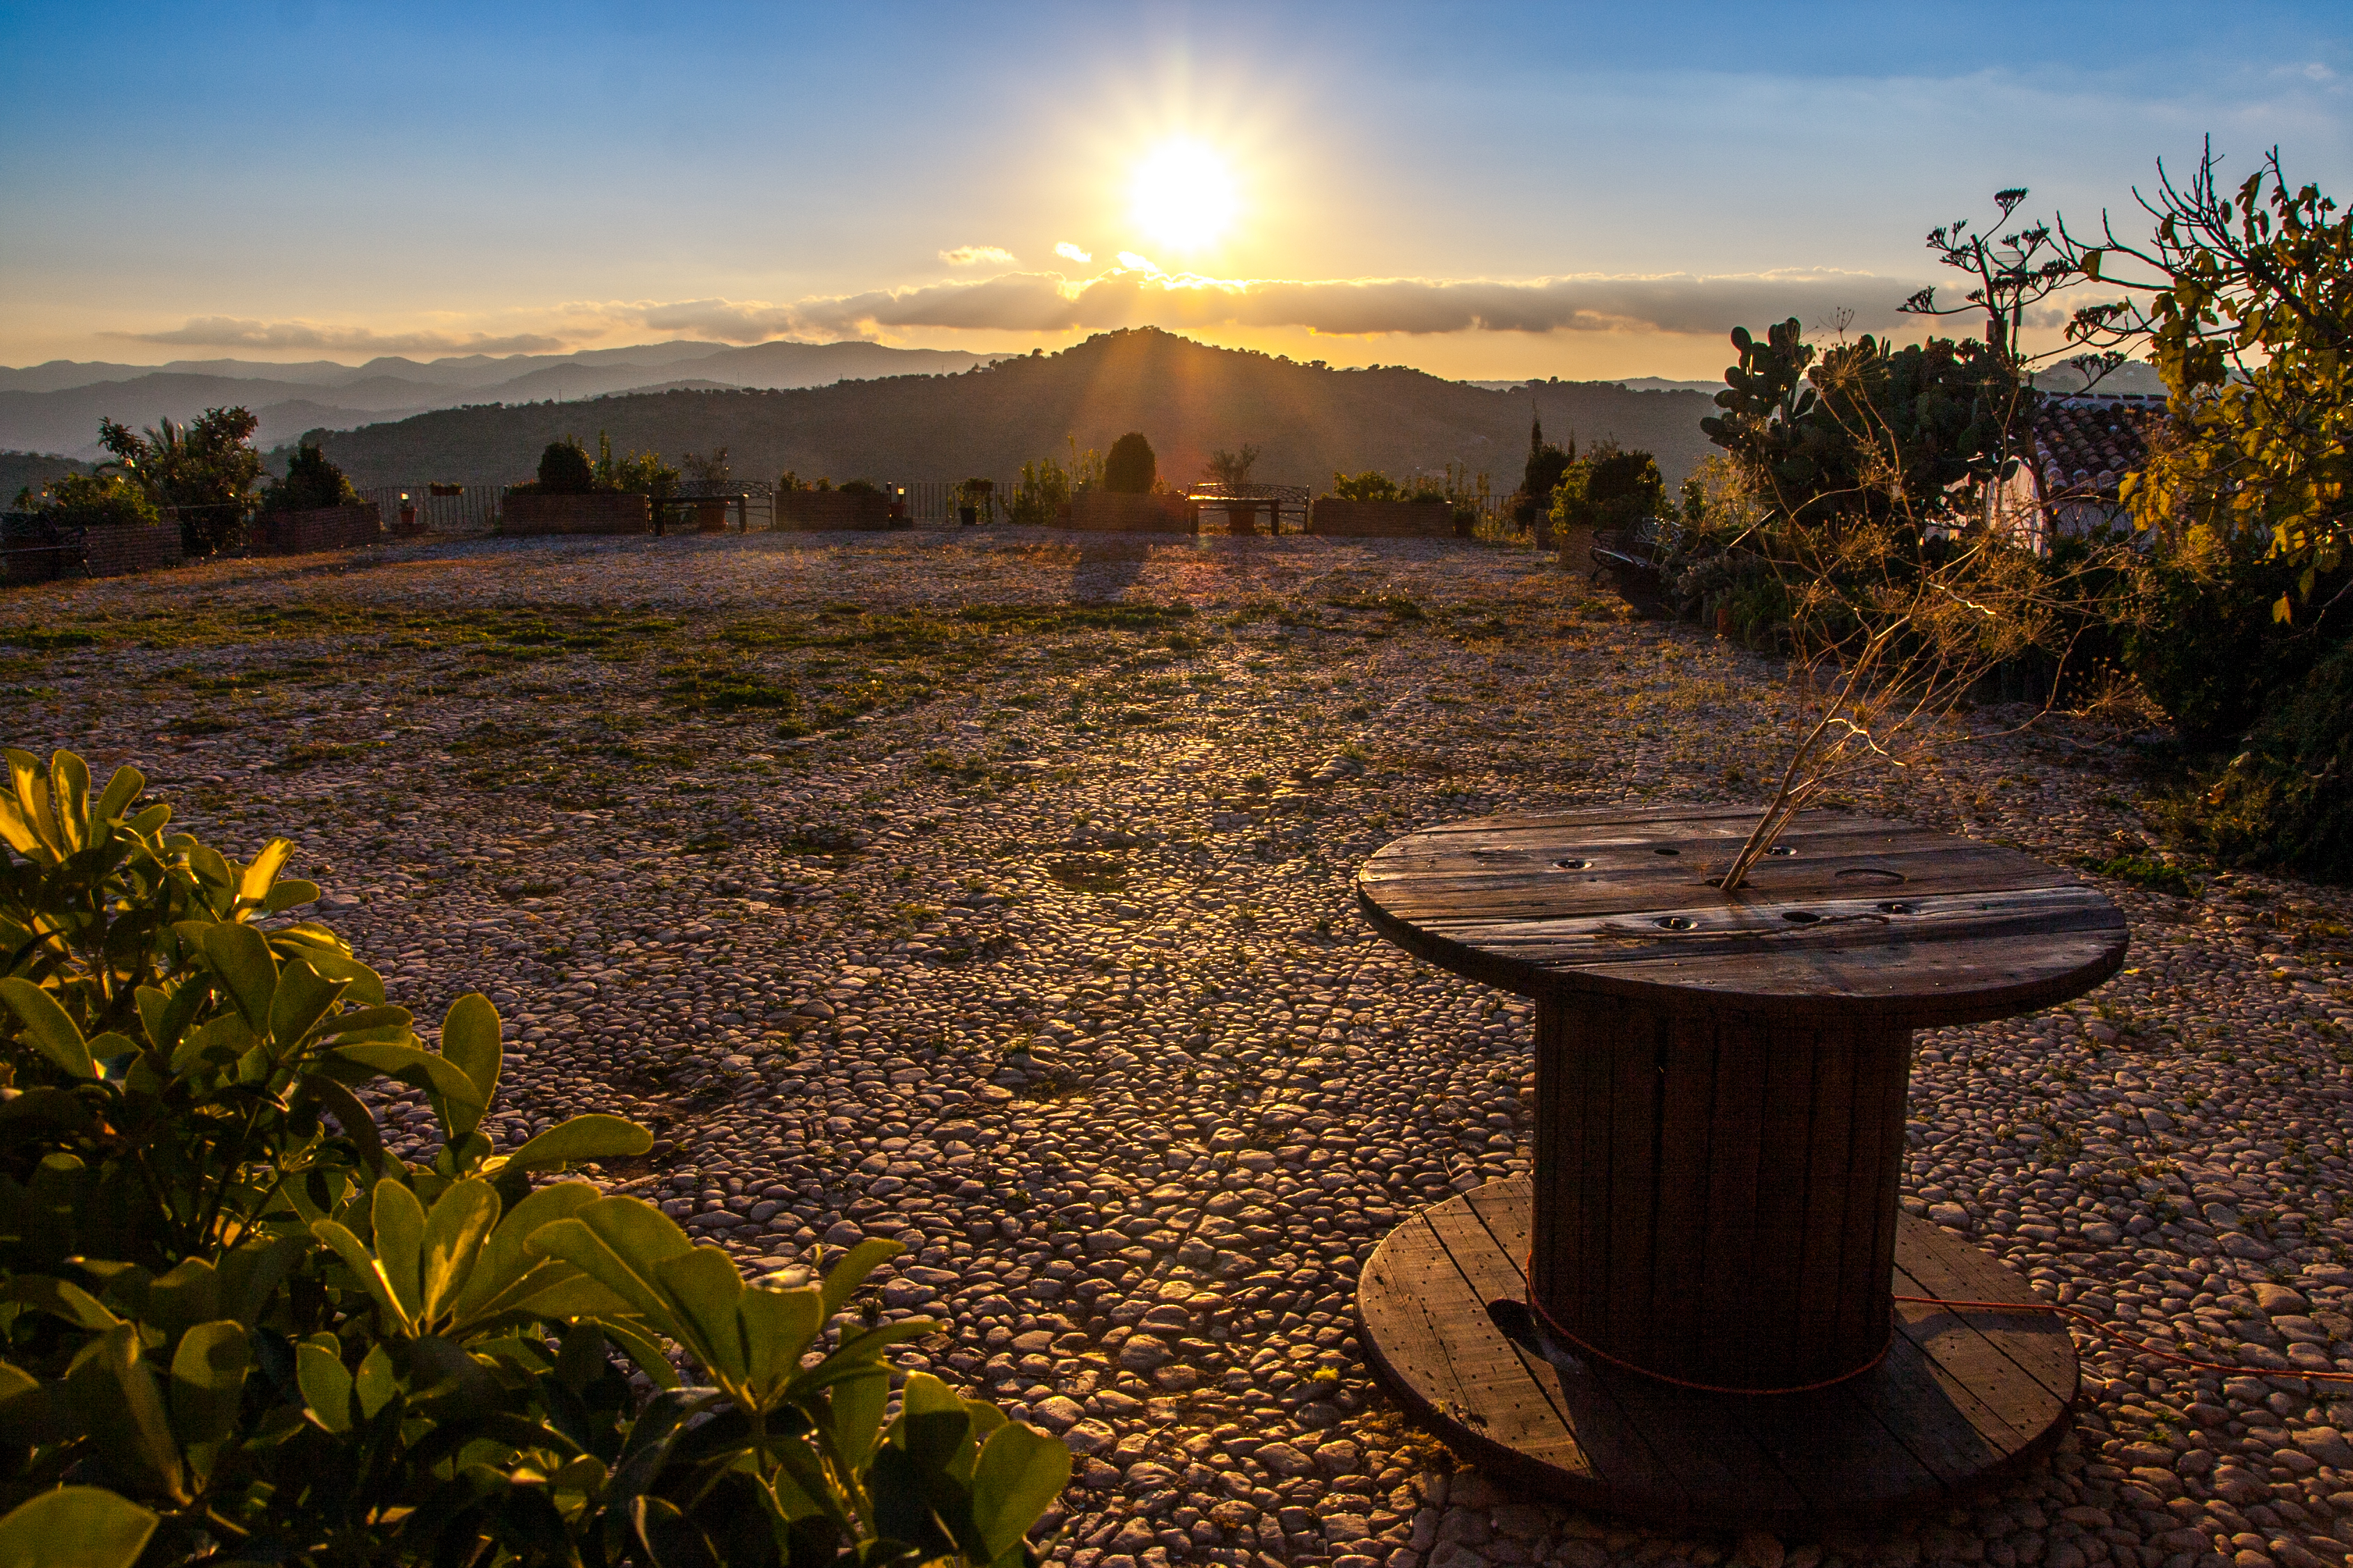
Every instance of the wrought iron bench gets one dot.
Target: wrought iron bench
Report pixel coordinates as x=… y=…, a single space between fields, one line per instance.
x=1634 y=560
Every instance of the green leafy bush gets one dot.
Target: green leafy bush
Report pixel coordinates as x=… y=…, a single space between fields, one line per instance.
x=565 y=469
x=203 y=468
x=234 y=1328
x=1130 y=468
x=1609 y=486
x=312 y=483
x=1043 y=491
x=2204 y=645
x=1370 y=485
x=2286 y=801
x=93 y=500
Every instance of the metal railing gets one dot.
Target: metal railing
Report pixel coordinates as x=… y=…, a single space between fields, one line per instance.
x=471 y=507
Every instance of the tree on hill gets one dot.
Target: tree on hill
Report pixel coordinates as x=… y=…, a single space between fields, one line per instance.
x=311 y=484
x=1546 y=464
x=204 y=468
x=1609 y=486
x=565 y=469
x=1130 y=468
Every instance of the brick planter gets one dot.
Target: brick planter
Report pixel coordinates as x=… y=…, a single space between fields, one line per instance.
x=119 y=552
x=329 y=528
x=1337 y=518
x=604 y=512
x=809 y=511
x=1102 y=512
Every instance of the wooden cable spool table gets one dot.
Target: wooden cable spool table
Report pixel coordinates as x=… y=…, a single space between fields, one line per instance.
x=1686 y=1310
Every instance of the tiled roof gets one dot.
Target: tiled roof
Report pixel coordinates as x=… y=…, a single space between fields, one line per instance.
x=2085 y=445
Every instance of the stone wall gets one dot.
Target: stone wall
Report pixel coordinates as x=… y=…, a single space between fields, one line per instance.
x=809 y=511
x=1102 y=512
x=604 y=512
x=119 y=552
x=328 y=528
x=1382 y=518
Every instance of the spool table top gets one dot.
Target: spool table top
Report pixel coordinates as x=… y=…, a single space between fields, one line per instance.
x=1854 y=919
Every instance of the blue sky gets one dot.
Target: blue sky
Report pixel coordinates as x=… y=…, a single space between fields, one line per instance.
x=1483 y=190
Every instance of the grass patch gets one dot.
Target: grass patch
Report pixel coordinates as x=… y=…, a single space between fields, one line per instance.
x=709 y=687
x=311 y=752
x=46 y=637
x=2143 y=871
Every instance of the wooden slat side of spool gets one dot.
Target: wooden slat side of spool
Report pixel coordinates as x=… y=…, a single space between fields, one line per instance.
x=1707 y=1193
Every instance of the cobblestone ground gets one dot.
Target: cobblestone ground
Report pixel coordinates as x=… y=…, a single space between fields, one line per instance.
x=993 y=893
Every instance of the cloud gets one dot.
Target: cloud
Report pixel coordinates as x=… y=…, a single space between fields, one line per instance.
x=1137 y=293
x=1070 y=252
x=236 y=333
x=978 y=255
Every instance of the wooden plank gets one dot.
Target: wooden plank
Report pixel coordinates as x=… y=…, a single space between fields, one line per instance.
x=1932 y=1264
x=1626 y=1321
x=1875 y=1156
x=1679 y=1263
x=1775 y=1357
x=1829 y=1275
x=1431 y=1331
x=1684 y=1446
x=1727 y=1236
x=1836 y=1448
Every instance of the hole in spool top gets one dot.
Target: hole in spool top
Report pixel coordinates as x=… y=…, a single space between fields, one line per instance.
x=1800 y=916
x=1663 y=850
x=1899 y=908
x=1570 y=865
x=1678 y=923
x=1867 y=873
x=1780 y=849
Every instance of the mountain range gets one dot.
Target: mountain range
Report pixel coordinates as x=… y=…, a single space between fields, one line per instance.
x=1188 y=398
x=56 y=406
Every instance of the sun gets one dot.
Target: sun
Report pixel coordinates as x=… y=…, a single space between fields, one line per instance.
x=1182 y=194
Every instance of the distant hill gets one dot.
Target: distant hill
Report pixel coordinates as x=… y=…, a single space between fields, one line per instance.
x=56 y=406
x=1188 y=398
x=31 y=470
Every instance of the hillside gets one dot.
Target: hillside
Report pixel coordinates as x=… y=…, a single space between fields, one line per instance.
x=31 y=470
x=56 y=406
x=1187 y=397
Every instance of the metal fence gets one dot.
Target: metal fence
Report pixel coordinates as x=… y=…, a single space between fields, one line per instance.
x=468 y=507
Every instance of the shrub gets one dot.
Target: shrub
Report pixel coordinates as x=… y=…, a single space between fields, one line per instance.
x=93 y=500
x=860 y=488
x=1044 y=487
x=202 y=468
x=1609 y=486
x=1370 y=485
x=2205 y=647
x=639 y=473
x=312 y=483
x=1427 y=494
x=237 y=1328
x=1130 y=468
x=565 y=469
x=2286 y=801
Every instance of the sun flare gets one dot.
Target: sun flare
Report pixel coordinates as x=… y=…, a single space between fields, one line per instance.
x=1182 y=194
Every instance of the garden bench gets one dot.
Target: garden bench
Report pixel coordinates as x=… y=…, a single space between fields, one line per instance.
x=1687 y=1309
x=1635 y=558
x=34 y=550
